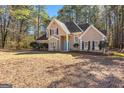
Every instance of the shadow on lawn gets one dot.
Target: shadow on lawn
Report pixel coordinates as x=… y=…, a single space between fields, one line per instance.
x=91 y=56
x=5 y=85
x=36 y=52
x=73 y=53
x=76 y=76
x=104 y=60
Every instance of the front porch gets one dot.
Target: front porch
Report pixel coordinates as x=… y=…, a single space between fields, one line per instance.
x=64 y=43
x=60 y=43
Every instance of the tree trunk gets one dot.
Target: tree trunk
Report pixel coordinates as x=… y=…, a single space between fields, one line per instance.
x=20 y=34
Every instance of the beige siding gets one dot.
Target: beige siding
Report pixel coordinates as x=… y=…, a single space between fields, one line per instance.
x=54 y=25
x=53 y=44
x=72 y=41
x=91 y=35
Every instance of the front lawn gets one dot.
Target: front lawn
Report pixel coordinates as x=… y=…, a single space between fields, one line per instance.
x=52 y=69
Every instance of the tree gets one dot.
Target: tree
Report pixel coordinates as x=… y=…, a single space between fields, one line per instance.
x=22 y=15
x=5 y=19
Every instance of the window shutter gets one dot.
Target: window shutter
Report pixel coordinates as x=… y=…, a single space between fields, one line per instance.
x=50 y=31
x=57 y=31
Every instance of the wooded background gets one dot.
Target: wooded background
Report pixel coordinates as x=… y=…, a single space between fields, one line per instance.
x=20 y=24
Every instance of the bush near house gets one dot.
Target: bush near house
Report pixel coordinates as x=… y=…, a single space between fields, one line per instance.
x=76 y=45
x=39 y=46
x=34 y=45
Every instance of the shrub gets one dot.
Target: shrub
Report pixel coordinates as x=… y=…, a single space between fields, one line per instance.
x=103 y=44
x=76 y=45
x=45 y=45
x=35 y=45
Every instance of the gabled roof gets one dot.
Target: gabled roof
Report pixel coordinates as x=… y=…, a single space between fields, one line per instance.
x=62 y=25
x=91 y=26
x=104 y=32
x=72 y=27
x=43 y=37
x=84 y=26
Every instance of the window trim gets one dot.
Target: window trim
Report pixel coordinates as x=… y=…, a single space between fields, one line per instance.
x=75 y=39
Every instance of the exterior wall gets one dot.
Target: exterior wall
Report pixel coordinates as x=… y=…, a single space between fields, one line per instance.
x=72 y=41
x=91 y=35
x=53 y=44
x=61 y=32
x=54 y=25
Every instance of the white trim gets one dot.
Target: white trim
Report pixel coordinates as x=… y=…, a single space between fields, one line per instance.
x=81 y=45
x=78 y=26
x=62 y=25
x=93 y=28
x=53 y=37
x=74 y=38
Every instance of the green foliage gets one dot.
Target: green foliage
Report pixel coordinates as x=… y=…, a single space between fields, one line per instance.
x=20 y=14
x=26 y=41
x=103 y=44
x=45 y=45
x=34 y=45
x=76 y=45
x=79 y=14
x=39 y=46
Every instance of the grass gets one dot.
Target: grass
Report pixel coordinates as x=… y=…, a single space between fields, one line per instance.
x=54 y=69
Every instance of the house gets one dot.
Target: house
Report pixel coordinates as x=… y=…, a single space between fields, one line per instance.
x=63 y=36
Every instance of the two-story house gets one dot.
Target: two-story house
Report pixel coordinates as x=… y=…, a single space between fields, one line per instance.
x=62 y=36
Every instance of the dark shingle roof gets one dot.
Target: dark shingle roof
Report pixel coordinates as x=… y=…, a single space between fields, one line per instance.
x=84 y=26
x=72 y=27
x=43 y=37
x=104 y=32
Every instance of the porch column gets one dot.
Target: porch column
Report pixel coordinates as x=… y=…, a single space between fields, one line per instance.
x=80 y=44
x=60 y=43
x=67 y=42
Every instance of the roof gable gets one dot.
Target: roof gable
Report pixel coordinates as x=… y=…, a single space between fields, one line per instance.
x=91 y=26
x=84 y=26
x=60 y=24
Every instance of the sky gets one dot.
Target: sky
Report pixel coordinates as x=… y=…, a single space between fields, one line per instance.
x=53 y=9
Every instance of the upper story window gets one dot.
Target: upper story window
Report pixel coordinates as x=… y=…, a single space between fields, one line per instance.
x=54 y=31
x=76 y=38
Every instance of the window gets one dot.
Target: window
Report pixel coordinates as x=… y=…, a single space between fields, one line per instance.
x=86 y=44
x=96 y=43
x=51 y=31
x=54 y=31
x=76 y=38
